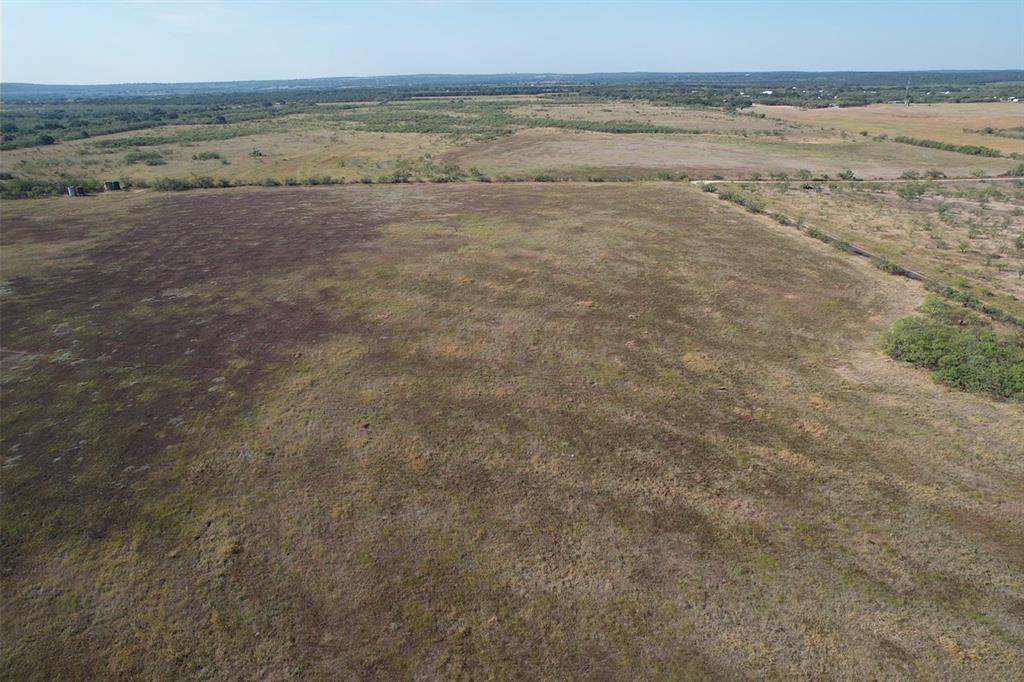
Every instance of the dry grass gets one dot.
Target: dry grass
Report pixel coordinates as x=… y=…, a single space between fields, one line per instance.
x=540 y=431
x=323 y=143
x=296 y=147
x=964 y=234
x=942 y=122
x=580 y=153
x=688 y=118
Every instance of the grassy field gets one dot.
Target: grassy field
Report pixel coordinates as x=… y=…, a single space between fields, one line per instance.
x=582 y=154
x=953 y=123
x=490 y=430
x=968 y=234
x=502 y=137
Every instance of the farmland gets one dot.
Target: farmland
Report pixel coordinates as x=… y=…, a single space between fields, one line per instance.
x=983 y=124
x=513 y=138
x=509 y=393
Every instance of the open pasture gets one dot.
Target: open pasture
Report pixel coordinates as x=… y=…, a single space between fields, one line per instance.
x=954 y=123
x=525 y=430
x=457 y=138
x=582 y=154
x=968 y=234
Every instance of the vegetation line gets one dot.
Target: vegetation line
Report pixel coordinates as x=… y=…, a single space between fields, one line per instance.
x=756 y=205
x=970 y=149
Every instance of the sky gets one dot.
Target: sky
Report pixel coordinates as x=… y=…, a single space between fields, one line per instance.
x=133 y=41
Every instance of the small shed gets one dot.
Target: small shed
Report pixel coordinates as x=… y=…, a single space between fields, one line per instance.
x=111 y=185
x=76 y=191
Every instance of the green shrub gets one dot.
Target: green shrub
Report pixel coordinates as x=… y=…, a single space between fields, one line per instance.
x=148 y=158
x=971 y=149
x=911 y=190
x=206 y=156
x=960 y=349
x=749 y=201
x=182 y=184
x=886 y=265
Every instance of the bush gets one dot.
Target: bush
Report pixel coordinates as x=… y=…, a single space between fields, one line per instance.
x=847 y=175
x=960 y=349
x=971 y=149
x=182 y=184
x=751 y=202
x=206 y=156
x=910 y=191
x=148 y=158
x=886 y=265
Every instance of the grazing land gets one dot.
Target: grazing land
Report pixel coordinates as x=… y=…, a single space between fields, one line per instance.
x=498 y=138
x=968 y=234
x=533 y=380
x=990 y=124
x=418 y=430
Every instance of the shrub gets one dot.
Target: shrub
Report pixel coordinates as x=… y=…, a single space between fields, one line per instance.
x=886 y=265
x=171 y=185
x=910 y=191
x=971 y=149
x=960 y=349
x=148 y=158
x=847 y=175
x=751 y=202
x=206 y=156
x=182 y=184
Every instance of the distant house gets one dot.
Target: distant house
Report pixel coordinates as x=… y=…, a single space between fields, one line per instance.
x=767 y=92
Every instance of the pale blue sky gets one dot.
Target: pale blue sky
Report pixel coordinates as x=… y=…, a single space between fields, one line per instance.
x=109 y=42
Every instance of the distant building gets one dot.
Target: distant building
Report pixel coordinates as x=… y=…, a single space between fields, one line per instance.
x=767 y=92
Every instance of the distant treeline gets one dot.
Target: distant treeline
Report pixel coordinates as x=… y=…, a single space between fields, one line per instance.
x=455 y=82
x=40 y=115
